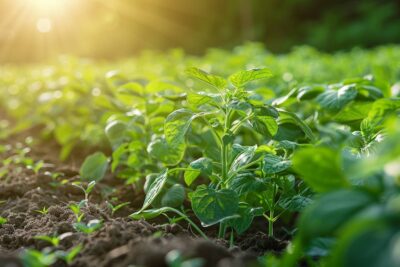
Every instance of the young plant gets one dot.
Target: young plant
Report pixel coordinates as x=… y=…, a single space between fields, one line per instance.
x=43 y=211
x=86 y=190
x=3 y=220
x=117 y=207
x=53 y=240
x=90 y=227
x=233 y=170
x=36 y=258
x=76 y=209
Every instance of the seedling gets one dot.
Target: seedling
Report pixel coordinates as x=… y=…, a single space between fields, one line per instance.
x=43 y=211
x=90 y=227
x=69 y=256
x=76 y=209
x=117 y=207
x=36 y=166
x=86 y=190
x=36 y=258
x=54 y=240
x=3 y=220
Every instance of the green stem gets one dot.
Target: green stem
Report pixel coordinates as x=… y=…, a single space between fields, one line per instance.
x=271 y=213
x=231 y=241
x=185 y=217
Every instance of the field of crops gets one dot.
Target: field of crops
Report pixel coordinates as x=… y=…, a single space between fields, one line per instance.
x=233 y=158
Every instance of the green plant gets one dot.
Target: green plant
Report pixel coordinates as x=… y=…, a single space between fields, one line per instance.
x=76 y=209
x=90 y=227
x=43 y=211
x=117 y=207
x=89 y=188
x=3 y=220
x=243 y=180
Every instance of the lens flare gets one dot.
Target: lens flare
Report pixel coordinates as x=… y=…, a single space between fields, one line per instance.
x=44 y=25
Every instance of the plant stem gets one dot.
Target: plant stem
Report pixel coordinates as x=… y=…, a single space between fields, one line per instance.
x=185 y=217
x=271 y=213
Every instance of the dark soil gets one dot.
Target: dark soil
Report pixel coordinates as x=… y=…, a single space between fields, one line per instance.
x=121 y=241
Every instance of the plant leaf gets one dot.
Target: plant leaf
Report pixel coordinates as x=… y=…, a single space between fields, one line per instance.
x=94 y=167
x=243 y=77
x=320 y=167
x=213 y=206
x=154 y=189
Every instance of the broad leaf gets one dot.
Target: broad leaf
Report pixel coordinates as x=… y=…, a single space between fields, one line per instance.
x=154 y=189
x=242 y=159
x=275 y=164
x=213 y=206
x=161 y=150
x=329 y=213
x=175 y=128
x=94 y=167
x=240 y=78
x=201 y=165
x=247 y=214
x=334 y=100
x=320 y=167
x=210 y=79
x=174 y=196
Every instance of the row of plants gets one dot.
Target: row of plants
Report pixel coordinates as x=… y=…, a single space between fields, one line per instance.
x=227 y=146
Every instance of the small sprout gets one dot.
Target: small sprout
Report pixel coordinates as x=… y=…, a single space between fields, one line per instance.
x=117 y=207
x=54 y=240
x=86 y=190
x=3 y=220
x=32 y=257
x=43 y=211
x=35 y=167
x=69 y=256
x=76 y=209
x=90 y=227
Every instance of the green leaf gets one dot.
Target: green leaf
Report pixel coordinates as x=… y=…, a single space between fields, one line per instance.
x=162 y=151
x=320 y=167
x=175 y=128
x=210 y=79
x=201 y=165
x=330 y=212
x=275 y=164
x=247 y=215
x=247 y=183
x=369 y=243
x=290 y=117
x=241 y=78
x=115 y=132
x=380 y=110
x=154 y=189
x=174 y=196
x=201 y=98
x=94 y=167
x=353 y=111
x=334 y=100
x=265 y=125
x=242 y=159
x=149 y=214
x=213 y=206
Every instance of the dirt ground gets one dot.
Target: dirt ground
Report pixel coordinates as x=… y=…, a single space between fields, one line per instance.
x=121 y=241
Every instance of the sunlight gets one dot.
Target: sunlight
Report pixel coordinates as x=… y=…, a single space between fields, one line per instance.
x=48 y=5
x=44 y=25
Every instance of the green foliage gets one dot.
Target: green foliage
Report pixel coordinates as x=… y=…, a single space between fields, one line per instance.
x=308 y=142
x=94 y=167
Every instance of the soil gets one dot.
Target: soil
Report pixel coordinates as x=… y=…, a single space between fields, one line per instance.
x=121 y=241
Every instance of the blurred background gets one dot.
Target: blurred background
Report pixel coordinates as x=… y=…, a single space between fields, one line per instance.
x=36 y=30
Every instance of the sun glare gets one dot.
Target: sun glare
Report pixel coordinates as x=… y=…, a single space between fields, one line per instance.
x=48 y=5
x=44 y=25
